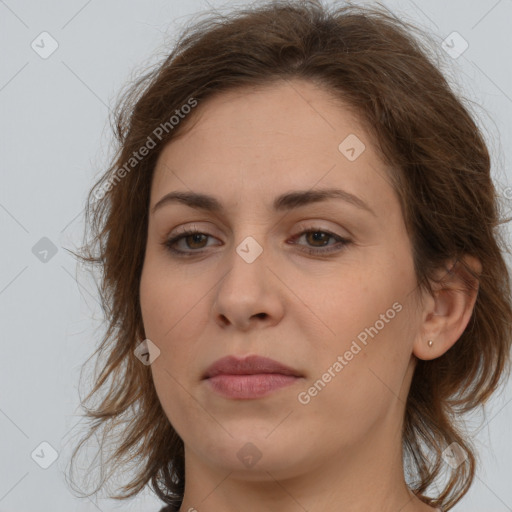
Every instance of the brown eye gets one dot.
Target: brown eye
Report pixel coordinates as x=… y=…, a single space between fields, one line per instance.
x=194 y=241
x=318 y=239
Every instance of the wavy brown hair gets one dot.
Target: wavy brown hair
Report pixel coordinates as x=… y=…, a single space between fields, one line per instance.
x=382 y=68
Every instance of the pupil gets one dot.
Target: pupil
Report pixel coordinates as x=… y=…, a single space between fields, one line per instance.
x=196 y=238
x=318 y=235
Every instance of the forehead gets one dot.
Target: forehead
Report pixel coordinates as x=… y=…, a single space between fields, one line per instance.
x=289 y=134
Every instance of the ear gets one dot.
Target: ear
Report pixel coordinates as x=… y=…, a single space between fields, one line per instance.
x=447 y=313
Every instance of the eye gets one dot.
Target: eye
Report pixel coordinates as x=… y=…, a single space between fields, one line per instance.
x=317 y=237
x=193 y=238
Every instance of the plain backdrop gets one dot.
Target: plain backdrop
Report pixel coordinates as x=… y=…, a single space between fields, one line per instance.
x=55 y=139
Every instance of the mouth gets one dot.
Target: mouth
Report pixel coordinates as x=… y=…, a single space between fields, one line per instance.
x=250 y=365
x=249 y=378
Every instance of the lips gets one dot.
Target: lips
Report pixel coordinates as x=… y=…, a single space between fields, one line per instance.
x=250 y=365
x=249 y=378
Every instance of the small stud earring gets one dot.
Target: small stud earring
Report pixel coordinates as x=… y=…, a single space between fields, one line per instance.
x=430 y=343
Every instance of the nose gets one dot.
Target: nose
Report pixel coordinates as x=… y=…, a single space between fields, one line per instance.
x=249 y=296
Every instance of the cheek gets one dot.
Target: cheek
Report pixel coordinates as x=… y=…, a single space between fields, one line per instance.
x=173 y=321
x=356 y=384
x=352 y=304
x=367 y=314
x=172 y=314
x=169 y=300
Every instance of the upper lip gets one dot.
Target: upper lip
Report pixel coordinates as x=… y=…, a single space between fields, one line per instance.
x=249 y=365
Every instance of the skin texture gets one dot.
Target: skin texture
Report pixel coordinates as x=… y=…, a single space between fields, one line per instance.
x=342 y=449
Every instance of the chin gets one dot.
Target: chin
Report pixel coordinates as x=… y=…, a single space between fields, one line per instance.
x=254 y=457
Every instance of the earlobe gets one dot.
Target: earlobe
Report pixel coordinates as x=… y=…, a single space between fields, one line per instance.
x=450 y=311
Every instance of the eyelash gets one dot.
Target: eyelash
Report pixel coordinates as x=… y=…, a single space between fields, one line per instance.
x=168 y=244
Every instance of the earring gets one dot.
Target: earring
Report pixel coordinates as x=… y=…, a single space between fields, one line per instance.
x=430 y=343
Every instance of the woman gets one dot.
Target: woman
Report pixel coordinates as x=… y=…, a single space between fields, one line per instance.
x=304 y=282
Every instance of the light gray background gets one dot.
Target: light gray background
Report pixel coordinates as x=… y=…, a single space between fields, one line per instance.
x=55 y=140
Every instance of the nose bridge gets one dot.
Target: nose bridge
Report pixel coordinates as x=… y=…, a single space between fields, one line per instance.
x=248 y=290
x=247 y=274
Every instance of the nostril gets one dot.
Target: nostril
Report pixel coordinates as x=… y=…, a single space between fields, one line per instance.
x=224 y=320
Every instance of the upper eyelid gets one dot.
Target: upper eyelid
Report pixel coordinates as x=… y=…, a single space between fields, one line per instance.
x=187 y=231
x=300 y=231
x=302 y=225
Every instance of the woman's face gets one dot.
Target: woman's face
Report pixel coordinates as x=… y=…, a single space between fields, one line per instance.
x=344 y=317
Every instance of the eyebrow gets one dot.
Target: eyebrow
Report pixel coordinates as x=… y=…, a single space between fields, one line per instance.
x=284 y=202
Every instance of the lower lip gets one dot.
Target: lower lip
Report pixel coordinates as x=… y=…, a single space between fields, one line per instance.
x=249 y=386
